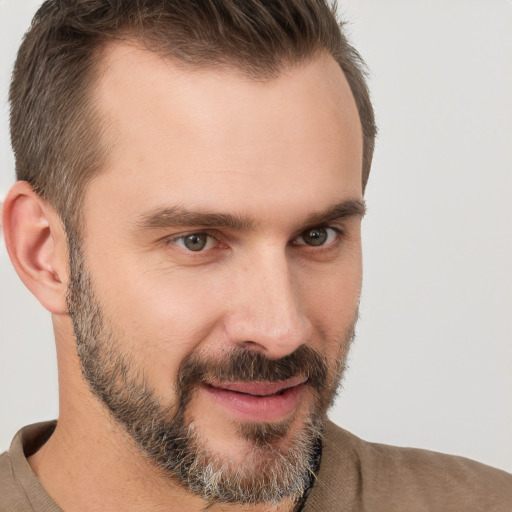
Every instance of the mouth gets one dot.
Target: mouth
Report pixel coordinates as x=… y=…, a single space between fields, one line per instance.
x=259 y=401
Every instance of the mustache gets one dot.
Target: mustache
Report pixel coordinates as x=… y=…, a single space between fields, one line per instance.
x=241 y=365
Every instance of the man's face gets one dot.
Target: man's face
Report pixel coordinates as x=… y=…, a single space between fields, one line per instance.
x=221 y=268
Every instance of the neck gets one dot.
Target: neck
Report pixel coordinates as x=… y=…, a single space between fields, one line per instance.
x=86 y=466
x=90 y=463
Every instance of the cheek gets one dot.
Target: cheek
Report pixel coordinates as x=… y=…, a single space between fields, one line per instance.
x=330 y=299
x=332 y=286
x=157 y=321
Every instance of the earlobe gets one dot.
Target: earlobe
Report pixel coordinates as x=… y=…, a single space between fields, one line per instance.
x=36 y=243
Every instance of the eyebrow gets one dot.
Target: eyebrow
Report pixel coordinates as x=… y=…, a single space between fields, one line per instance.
x=347 y=208
x=177 y=216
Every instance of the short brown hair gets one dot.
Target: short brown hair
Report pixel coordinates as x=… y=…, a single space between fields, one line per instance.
x=56 y=134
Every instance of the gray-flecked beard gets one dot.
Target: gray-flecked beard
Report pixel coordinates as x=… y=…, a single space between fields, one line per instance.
x=271 y=471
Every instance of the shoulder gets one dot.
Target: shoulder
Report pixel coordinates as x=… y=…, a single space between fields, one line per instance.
x=20 y=490
x=371 y=476
x=12 y=496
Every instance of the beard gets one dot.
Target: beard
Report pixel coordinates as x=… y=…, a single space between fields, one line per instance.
x=271 y=471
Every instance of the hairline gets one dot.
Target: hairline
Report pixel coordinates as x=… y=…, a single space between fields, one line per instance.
x=102 y=132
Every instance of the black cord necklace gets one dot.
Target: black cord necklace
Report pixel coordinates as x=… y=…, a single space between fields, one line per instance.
x=317 y=458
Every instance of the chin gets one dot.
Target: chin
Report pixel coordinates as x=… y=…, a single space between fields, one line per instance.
x=263 y=463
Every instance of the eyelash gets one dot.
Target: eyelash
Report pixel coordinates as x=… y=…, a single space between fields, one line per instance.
x=174 y=239
x=339 y=233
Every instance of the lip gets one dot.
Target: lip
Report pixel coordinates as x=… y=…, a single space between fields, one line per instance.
x=258 y=401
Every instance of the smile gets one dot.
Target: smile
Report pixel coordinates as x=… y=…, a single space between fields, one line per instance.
x=259 y=401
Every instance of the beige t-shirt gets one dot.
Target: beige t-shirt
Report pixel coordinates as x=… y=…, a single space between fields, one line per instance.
x=354 y=476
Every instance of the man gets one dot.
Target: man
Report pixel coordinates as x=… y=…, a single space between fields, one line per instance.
x=190 y=195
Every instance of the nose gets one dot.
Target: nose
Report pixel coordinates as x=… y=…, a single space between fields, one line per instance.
x=266 y=313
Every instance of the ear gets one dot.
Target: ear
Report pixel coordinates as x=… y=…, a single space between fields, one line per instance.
x=36 y=243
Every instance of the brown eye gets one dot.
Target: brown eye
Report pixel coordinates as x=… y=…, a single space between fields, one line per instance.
x=316 y=236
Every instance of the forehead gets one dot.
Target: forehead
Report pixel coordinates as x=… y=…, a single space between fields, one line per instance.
x=210 y=135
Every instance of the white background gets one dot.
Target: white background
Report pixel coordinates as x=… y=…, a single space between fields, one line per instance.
x=431 y=366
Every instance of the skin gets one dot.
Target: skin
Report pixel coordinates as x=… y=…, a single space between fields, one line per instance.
x=278 y=153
